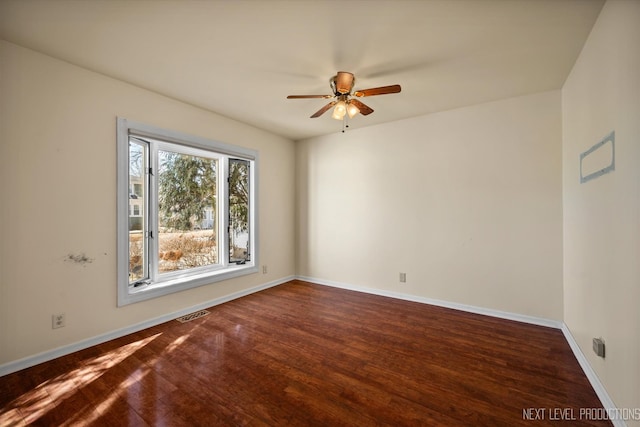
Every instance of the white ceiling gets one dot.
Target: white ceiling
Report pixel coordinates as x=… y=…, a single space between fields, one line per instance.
x=242 y=58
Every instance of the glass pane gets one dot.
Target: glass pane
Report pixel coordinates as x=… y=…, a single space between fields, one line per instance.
x=137 y=226
x=239 y=211
x=186 y=211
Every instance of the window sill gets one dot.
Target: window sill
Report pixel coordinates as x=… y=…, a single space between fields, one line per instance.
x=173 y=285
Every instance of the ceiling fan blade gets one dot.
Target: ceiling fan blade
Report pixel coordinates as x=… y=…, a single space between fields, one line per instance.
x=344 y=82
x=323 y=109
x=364 y=109
x=309 y=96
x=378 y=91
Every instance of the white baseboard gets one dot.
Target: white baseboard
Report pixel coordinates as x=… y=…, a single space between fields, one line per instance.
x=456 y=306
x=29 y=361
x=604 y=397
x=601 y=392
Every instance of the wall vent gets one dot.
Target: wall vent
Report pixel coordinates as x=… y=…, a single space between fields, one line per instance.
x=192 y=316
x=599 y=159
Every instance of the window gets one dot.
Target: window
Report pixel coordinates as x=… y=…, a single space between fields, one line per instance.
x=186 y=211
x=137 y=189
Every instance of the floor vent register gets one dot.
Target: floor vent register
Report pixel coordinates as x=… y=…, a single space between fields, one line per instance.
x=192 y=316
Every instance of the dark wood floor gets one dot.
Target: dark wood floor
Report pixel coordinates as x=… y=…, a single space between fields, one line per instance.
x=304 y=354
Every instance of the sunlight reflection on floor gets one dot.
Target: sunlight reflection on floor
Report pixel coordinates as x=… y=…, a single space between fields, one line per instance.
x=34 y=404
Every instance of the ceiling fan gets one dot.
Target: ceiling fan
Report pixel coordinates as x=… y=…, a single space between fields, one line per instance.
x=344 y=101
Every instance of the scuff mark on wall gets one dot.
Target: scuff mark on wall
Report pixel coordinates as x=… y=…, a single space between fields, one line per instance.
x=81 y=259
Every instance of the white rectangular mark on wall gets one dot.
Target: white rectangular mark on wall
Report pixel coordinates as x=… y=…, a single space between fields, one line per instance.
x=599 y=159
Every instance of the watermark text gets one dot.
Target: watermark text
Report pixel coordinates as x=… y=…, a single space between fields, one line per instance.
x=574 y=414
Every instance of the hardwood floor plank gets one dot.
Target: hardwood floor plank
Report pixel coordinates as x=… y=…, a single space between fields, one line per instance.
x=301 y=354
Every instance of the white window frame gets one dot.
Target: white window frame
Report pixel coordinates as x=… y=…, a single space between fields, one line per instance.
x=169 y=283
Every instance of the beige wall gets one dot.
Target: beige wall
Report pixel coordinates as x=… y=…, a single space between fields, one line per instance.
x=602 y=216
x=58 y=186
x=468 y=203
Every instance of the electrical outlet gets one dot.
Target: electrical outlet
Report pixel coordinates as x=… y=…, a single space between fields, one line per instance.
x=598 y=347
x=58 y=321
x=403 y=277
x=264 y=269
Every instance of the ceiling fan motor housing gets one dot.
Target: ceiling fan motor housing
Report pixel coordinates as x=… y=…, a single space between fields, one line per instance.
x=343 y=82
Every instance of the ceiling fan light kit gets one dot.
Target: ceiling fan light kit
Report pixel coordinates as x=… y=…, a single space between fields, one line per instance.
x=342 y=87
x=340 y=110
x=352 y=110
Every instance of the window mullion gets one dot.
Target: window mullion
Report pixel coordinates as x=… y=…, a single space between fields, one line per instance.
x=145 y=213
x=223 y=212
x=153 y=231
